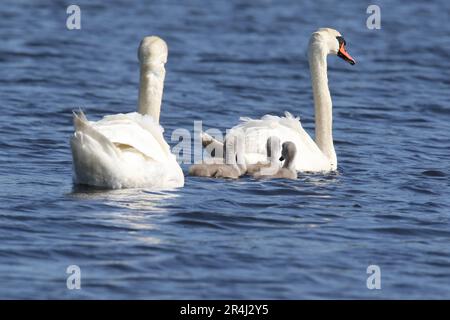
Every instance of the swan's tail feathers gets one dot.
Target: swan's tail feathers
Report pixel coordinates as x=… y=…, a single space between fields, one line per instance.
x=84 y=129
x=81 y=114
x=289 y=115
x=95 y=157
x=79 y=119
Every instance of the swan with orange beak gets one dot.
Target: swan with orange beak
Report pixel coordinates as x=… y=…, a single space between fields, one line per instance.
x=318 y=155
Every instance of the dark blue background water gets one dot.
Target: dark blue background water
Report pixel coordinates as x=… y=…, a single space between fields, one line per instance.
x=313 y=238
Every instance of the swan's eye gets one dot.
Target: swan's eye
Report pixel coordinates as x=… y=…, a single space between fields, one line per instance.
x=341 y=40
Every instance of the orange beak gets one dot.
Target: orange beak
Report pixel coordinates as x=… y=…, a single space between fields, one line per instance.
x=344 y=55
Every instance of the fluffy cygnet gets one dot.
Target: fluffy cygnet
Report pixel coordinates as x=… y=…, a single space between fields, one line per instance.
x=288 y=153
x=273 y=147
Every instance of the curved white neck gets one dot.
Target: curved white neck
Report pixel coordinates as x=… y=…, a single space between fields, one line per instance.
x=322 y=103
x=151 y=87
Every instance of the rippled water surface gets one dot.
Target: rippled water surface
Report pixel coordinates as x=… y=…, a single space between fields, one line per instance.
x=387 y=205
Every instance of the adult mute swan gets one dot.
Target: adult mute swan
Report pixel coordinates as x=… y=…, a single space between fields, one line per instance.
x=316 y=156
x=129 y=150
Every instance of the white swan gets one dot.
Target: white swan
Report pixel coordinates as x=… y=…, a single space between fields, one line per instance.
x=316 y=156
x=129 y=150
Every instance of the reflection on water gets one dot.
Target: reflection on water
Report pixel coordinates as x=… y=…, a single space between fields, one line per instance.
x=136 y=199
x=141 y=206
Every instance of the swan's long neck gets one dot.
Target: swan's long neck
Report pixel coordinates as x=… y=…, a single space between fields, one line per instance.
x=322 y=102
x=151 y=87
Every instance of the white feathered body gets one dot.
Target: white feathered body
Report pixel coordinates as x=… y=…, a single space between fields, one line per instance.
x=256 y=131
x=123 y=151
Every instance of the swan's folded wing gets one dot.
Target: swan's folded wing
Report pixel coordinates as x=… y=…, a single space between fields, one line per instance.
x=82 y=125
x=147 y=123
x=287 y=128
x=136 y=131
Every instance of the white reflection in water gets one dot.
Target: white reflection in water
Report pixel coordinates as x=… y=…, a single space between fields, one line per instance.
x=136 y=199
x=144 y=205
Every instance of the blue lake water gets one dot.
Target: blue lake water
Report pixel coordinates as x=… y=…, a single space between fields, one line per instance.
x=388 y=204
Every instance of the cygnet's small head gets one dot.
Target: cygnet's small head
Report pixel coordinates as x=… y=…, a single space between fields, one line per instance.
x=273 y=146
x=152 y=49
x=332 y=42
x=288 y=151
